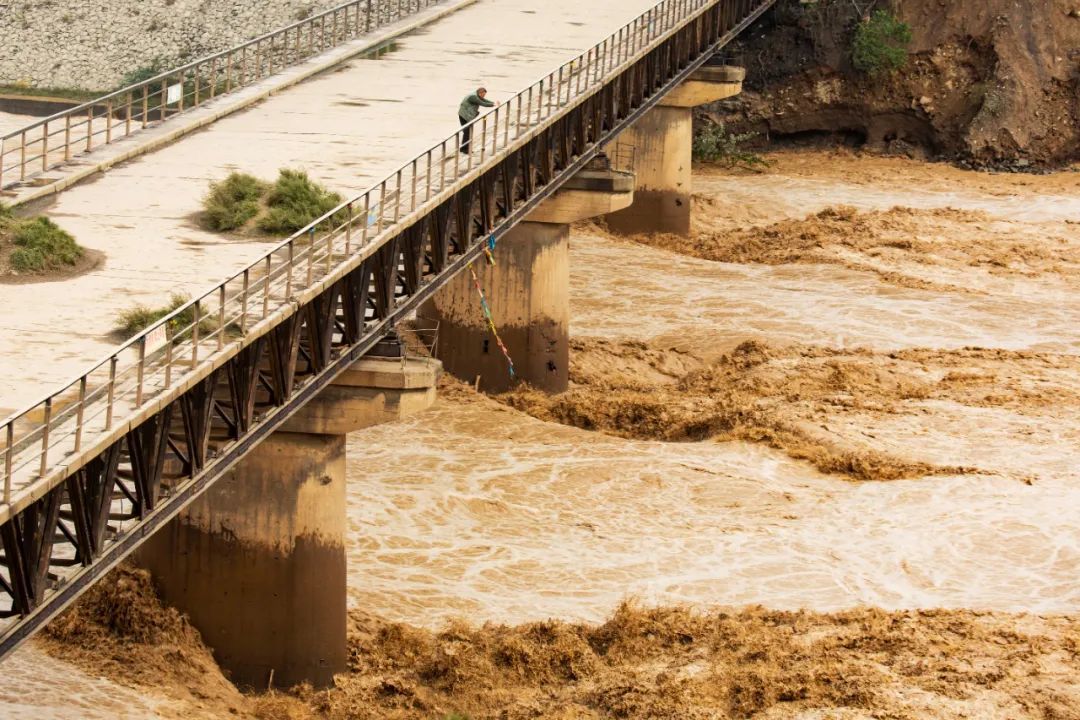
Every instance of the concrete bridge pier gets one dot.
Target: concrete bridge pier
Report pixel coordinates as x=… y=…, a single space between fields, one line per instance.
x=528 y=291
x=258 y=561
x=662 y=140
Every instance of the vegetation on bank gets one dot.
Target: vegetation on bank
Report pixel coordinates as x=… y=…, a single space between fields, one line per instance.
x=243 y=202
x=35 y=245
x=715 y=144
x=880 y=44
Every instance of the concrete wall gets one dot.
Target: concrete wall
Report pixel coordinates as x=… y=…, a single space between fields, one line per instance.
x=94 y=44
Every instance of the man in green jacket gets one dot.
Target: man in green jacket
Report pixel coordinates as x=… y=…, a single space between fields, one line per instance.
x=467 y=112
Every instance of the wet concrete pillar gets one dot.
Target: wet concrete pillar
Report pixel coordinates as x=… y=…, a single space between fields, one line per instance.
x=258 y=560
x=662 y=144
x=527 y=290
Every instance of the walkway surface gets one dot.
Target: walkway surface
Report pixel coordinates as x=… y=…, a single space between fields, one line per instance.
x=347 y=128
x=11 y=121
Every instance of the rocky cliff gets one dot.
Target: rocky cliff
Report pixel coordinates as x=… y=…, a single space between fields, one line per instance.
x=988 y=82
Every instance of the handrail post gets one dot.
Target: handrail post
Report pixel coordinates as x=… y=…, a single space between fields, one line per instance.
x=67 y=137
x=9 y=458
x=89 y=127
x=348 y=231
x=289 y=271
x=310 y=256
x=412 y=201
x=45 y=438
x=168 y=358
x=517 y=126
x=244 y=301
x=506 y=130
x=196 y=314
x=329 y=251
x=382 y=207
x=442 y=167
x=483 y=138
x=266 y=288
x=140 y=372
x=112 y=392
x=457 y=156
x=427 y=191
x=221 y=317
x=80 y=413
x=45 y=147
x=397 y=199
x=367 y=218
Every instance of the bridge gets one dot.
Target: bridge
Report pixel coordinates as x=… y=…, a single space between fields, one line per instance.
x=210 y=447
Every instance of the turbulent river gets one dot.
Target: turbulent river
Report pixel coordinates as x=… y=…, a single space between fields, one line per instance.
x=895 y=272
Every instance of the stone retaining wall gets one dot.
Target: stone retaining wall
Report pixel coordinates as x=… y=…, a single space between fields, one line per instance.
x=97 y=44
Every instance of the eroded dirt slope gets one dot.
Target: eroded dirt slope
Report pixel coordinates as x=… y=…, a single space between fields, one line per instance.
x=992 y=81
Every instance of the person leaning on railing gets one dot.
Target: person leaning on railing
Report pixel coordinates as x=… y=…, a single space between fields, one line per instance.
x=467 y=112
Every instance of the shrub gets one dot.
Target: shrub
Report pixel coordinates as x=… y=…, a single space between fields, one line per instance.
x=145 y=72
x=880 y=44
x=715 y=144
x=231 y=203
x=294 y=202
x=42 y=245
x=133 y=321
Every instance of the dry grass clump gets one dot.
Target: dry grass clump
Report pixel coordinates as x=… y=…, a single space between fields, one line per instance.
x=233 y=202
x=294 y=202
x=134 y=320
x=243 y=202
x=35 y=246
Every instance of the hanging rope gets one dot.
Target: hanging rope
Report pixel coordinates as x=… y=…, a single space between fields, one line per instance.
x=487 y=310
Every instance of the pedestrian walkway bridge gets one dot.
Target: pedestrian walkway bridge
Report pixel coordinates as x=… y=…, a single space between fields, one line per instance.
x=93 y=469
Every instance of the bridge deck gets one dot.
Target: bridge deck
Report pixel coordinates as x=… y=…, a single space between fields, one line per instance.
x=348 y=128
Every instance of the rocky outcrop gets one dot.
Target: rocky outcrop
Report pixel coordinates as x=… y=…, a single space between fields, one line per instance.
x=93 y=45
x=991 y=82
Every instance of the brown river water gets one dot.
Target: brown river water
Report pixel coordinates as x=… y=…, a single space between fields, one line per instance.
x=491 y=514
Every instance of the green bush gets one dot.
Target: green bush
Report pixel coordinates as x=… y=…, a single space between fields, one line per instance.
x=880 y=44
x=714 y=144
x=294 y=202
x=133 y=321
x=138 y=75
x=41 y=245
x=233 y=202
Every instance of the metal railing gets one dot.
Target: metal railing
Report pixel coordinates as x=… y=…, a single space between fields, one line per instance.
x=53 y=141
x=46 y=442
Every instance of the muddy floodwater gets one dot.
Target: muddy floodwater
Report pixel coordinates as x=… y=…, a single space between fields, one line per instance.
x=905 y=436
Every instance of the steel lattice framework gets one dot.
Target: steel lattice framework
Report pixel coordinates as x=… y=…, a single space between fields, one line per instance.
x=96 y=467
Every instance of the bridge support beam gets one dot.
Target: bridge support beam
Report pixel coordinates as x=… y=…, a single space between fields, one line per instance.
x=662 y=140
x=258 y=561
x=528 y=291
